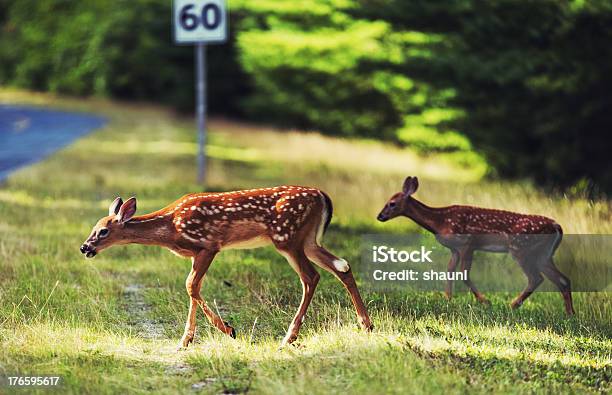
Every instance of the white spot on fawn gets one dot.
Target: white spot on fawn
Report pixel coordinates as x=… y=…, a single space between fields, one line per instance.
x=341 y=265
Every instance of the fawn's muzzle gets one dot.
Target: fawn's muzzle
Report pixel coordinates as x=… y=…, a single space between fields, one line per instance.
x=88 y=250
x=382 y=218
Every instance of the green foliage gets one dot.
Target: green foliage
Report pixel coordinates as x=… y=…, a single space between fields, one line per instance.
x=427 y=139
x=331 y=71
x=426 y=131
x=524 y=83
x=531 y=76
x=123 y=49
x=316 y=79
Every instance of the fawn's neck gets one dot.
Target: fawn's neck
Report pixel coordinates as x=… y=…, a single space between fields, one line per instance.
x=429 y=218
x=150 y=229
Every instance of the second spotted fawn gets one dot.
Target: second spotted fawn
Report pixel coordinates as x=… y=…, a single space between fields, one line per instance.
x=531 y=239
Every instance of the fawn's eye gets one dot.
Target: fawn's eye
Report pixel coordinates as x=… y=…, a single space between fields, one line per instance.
x=392 y=204
x=103 y=232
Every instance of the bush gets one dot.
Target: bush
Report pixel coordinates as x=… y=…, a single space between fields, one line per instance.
x=322 y=79
x=531 y=78
x=527 y=82
x=123 y=49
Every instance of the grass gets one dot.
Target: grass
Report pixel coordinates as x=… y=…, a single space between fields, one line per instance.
x=66 y=316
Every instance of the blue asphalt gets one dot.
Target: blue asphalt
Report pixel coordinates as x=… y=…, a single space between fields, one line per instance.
x=29 y=134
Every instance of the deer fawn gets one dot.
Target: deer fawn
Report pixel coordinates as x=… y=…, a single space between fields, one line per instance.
x=199 y=226
x=465 y=229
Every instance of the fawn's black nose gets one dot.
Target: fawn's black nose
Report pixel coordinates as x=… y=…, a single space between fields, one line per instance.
x=88 y=250
x=382 y=218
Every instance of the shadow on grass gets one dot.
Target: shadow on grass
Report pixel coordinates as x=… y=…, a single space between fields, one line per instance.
x=542 y=311
x=399 y=365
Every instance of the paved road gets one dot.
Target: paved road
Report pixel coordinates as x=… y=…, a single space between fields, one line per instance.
x=29 y=134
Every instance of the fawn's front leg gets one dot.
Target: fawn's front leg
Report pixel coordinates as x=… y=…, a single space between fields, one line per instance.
x=452 y=265
x=200 y=264
x=466 y=266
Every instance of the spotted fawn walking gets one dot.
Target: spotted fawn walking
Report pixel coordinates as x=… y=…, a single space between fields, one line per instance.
x=531 y=239
x=199 y=226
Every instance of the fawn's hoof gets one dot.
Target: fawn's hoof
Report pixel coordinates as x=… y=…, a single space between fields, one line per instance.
x=365 y=323
x=289 y=346
x=289 y=340
x=232 y=332
x=184 y=343
x=482 y=299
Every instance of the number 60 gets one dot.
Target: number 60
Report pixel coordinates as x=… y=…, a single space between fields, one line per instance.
x=210 y=17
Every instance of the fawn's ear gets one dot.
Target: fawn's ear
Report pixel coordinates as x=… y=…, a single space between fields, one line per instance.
x=127 y=210
x=114 y=207
x=411 y=184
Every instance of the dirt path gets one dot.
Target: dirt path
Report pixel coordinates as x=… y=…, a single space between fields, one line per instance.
x=148 y=328
x=139 y=310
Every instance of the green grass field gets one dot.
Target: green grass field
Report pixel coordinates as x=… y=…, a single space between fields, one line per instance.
x=112 y=324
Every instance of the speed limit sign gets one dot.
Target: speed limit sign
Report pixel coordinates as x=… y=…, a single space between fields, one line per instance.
x=199 y=21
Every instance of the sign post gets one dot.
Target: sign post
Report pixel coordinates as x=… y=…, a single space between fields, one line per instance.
x=201 y=109
x=200 y=22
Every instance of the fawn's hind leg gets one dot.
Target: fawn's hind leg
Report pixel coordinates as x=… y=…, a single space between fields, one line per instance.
x=309 y=279
x=563 y=283
x=341 y=269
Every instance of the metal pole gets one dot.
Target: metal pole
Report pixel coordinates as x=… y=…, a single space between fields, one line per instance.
x=201 y=109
